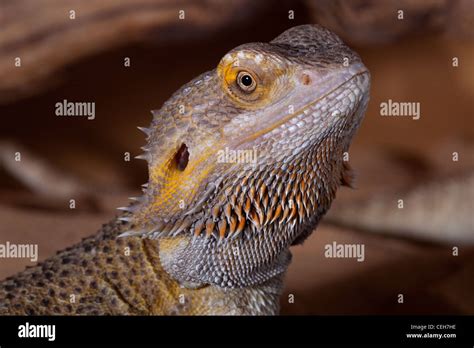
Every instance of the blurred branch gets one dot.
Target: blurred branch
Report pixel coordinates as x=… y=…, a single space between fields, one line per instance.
x=52 y=186
x=373 y=21
x=46 y=38
x=437 y=211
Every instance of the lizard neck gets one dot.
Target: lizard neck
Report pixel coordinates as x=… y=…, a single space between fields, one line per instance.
x=199 y=262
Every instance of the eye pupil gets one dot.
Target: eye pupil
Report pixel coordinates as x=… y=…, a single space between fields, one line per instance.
x=246 y=80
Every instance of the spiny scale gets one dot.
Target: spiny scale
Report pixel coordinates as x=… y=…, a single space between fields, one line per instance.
x=144 y=156
x=250 y=204
x=136 y=199
x=283 y=200
x=145 y=130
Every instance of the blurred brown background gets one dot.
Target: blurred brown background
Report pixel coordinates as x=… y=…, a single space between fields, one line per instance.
x=82 y=59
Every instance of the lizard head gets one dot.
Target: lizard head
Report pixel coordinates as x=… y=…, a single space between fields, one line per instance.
x=245 y=159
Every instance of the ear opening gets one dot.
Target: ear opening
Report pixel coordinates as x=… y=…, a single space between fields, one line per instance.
x=181 y=158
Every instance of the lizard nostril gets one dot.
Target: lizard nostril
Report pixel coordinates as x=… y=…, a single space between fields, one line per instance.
x=305 y=79
x=182 y=157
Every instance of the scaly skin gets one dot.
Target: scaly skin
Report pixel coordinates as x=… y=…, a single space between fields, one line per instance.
x=212 y=236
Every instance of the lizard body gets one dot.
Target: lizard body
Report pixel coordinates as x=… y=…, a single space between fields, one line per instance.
x=211 y=235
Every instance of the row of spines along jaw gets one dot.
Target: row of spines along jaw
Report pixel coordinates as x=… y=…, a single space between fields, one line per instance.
x=231 y=225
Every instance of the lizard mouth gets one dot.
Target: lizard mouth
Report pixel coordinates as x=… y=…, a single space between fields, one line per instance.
x=361 y=72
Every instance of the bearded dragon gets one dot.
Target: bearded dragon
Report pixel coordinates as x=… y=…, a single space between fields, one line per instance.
x=211 y=235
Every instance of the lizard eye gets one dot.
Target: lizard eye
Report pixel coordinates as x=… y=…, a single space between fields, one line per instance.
x=242 y=84
x=246 y=82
